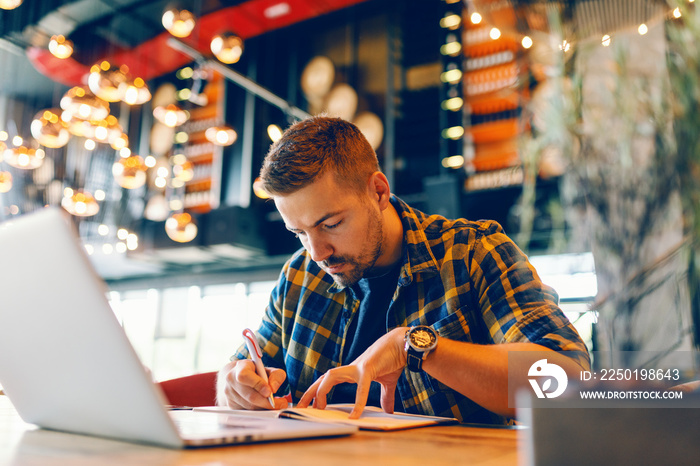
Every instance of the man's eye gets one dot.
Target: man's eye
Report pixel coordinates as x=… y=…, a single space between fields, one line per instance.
x=330 y=227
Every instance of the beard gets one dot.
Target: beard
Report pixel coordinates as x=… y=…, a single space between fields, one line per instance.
x=363 y=262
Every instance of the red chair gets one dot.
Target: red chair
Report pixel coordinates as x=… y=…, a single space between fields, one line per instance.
x=191 y=390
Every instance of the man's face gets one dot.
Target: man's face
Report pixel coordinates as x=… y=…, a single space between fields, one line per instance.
x=342 y=230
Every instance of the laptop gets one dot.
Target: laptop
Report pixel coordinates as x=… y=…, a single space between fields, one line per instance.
x=66 y=363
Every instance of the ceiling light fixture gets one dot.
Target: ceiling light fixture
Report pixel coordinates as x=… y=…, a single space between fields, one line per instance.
x=5 y=181
x=134 y=92
x=180 y=227
x=10 y=4
x=171 y=115
x=221 y=135
x=49 y=129
x=79 y=203
x=105 y=131
x=227 y=47
x=130 y=172
x=179 y=23
x=25 y=158
x=60 y=47
x=104 y=80
x=80 y=102
x=120 y=142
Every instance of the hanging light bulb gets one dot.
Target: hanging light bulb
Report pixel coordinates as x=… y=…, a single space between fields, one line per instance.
x=179 y=23
x=104 y=80
x=130 y=172
x=60 y=47
x=227 y=47
x=5 y=181
x=10 y=4
x=171 y=115
x=25 y=158
x=180 y=227
x=134 y=92
x=221 y=135
x=80 y=102
x=49 y=129
x=120 y=142
x=79 y=203
x=105 y=131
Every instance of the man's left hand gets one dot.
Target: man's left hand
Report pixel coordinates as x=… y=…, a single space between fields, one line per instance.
x=382 y=362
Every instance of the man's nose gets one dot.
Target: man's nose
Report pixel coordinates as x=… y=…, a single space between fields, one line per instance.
x=319 y=249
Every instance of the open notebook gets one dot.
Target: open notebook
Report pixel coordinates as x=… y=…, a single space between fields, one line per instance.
x=372 y=418
x=66 y=363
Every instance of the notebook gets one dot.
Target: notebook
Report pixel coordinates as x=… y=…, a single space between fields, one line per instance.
x=66 y=363
x=373 y=418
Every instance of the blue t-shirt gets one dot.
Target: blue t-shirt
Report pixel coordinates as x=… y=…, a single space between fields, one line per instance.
x=369 y=324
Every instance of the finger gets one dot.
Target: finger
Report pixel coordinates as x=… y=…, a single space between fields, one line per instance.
x=248 y=376
x=281 y=402
x=251 y=391
x=276 y=378
x=360 y=399
x=387 y=398
x=343 y=374
x=309 y=394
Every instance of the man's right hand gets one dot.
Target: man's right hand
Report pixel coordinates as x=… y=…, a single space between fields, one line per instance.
x=238 y=386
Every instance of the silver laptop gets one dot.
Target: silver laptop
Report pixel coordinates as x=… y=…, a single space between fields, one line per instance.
x=66 y=363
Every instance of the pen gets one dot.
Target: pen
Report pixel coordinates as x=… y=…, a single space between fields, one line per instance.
x=256 y=355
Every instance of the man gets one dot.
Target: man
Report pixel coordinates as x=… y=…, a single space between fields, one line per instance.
x=371 y=269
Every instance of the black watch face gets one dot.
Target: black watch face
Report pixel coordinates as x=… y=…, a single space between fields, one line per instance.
x=422 y=338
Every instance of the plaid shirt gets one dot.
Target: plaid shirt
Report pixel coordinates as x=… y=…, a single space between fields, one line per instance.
x=465 y=279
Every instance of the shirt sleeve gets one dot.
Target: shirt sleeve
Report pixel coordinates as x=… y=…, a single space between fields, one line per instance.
x=269 y=334
x=516 y=306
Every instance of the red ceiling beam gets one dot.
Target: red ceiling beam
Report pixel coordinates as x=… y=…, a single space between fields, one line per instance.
x=155 y=58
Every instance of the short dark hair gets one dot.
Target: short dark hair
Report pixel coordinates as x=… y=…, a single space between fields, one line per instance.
x=313 y=147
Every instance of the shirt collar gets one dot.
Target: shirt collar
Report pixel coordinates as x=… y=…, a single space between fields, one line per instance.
x=418 y=257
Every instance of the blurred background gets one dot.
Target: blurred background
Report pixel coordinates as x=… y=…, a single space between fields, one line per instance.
x=148 y=121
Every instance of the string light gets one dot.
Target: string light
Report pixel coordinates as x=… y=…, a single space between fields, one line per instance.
x=455 y=132
x=527 y=42
x=454 y=161
x=453 y=104
x=643 y=29
x=450 y=21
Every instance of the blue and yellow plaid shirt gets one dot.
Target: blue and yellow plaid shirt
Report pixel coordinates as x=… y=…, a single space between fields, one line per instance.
x=465 y=279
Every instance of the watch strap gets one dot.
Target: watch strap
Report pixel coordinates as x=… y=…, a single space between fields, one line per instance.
x=414 y=360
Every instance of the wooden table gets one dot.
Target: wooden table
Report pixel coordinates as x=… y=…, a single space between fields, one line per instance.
x=23 y=444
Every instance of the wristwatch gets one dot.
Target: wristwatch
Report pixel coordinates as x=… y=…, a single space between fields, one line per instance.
x=419 y=341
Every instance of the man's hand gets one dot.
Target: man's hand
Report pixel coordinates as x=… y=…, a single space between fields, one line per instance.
x=383 y=362
x=239 y=387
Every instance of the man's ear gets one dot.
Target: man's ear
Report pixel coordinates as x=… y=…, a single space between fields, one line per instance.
x=378 y=187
